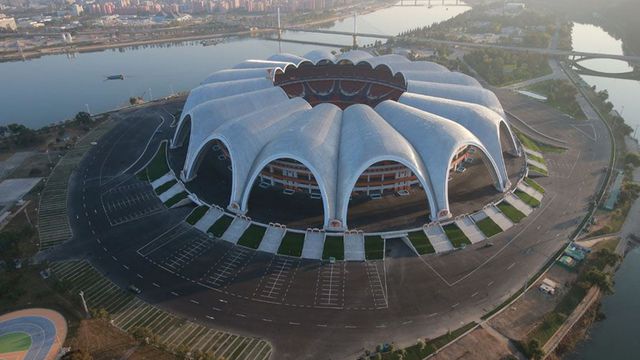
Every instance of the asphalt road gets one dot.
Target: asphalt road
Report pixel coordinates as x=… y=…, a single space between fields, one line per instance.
x=310 y=309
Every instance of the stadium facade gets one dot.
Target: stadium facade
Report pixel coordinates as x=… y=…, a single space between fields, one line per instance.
x=333 y=126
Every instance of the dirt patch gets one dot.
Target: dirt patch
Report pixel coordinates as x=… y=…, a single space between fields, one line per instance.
x=105 y=342
x=479 y=344
x=522 y=316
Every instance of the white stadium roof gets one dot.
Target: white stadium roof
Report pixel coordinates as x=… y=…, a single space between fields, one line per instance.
x=440 y=112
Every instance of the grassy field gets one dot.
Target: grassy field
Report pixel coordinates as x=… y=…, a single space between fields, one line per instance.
x=566 y=105
x=421 y=243
x=488 y=227
x=538 y=170
x=333 y=247
x=536 y=146
x=175 y=199
x=512 y=213
x=166 y=186
x=158 y=165
x=291 y=244
x=456 y=236
x=373 y=247
x=528 y=199
x=197 y=214
x=16 y=341
x=534 y=185
x=220 y=226
x=252 y=236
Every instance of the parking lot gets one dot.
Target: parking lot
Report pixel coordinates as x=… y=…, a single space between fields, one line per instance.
x=130 y=201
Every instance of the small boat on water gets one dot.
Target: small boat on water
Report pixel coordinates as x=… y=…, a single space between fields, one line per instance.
x=115 y=77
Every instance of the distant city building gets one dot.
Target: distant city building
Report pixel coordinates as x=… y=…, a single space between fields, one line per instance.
x=7 y=23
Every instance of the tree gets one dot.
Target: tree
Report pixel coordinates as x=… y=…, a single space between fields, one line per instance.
x=83 y=117
x=534 y=351
x=77 y=355
x=600 y=279
x=633 y=159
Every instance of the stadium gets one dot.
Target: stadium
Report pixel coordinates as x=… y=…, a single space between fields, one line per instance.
x=342 y=142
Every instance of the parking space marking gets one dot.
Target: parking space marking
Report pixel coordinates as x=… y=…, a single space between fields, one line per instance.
x=330 y=285
x=226 y=268
x=275 y=283
x=378 y=290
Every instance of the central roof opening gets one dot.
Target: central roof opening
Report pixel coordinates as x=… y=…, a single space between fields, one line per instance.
x=342 y=84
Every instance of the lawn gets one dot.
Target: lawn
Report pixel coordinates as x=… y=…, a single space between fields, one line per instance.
x=158 y=165
x=528 y=199
x=512 y=213
x=197 y=214
x=456 y=236
x=252 y=236
x=15 y=341
x=373 y=247
x=291 y=244
x=536 y=146
x=536 y=158
x=534 y=185
x=175 y=199
x=488 y=227
x=333 y=247
x=538 y=170
x=220 y=226
x=166 y=186
x=420 y=242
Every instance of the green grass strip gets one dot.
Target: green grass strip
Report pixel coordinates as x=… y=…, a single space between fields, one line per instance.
x=488 y=227
x=197 y=214
x=536 y=158
x=534 y=185
x=528 y=199
x=14 y=341
x=538 y=170
x=158 y=165
x=421 y=243
x=373 y=247
x=511 y=212
x=175 y=199
x=456 y=236
x=166 y=186
x=291 y=244
x=333 y=247
x=220 y=226
x=252 y=237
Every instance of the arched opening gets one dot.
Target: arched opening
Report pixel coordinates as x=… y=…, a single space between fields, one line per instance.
x=286 y=191
x=471 y=181
x=213 y=174
x=387 y=196
x=506 y=141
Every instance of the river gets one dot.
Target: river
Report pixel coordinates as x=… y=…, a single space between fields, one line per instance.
x=616 y=337
x=42 y=91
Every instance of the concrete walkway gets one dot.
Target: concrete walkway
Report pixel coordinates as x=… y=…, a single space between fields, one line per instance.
x=272 y=239
x=470 y=229
x=517 y=203
x=354 y=247
x=235 y=230
x=498 y=217
x=530 y=191
x=313 y=245
x=533 y=152
x=162 y=180
x=438 y=238
x=174 y=190
x=537 y=164
x=210 y=217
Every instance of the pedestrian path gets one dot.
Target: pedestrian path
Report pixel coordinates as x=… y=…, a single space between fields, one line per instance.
x=173 y=191
x=236 y=229
x=438 y=238
x=162 y=180
x=530 y=191
x=354 y=246
x=272 y=239
x=129 y=313
x=313 y=245
x=209 y=218
x=517 y=203
x=469 y=228
x=498 y=217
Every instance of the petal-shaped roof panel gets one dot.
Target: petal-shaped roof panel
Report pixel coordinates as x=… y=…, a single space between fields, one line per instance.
x=259 y=64
x=445 y=77
x=223 y=89
x=316 y=56
x=401 y=66
x=353 y=56
x=472 y=94
x=237 y=74
x=385 y=59
x=284 y=57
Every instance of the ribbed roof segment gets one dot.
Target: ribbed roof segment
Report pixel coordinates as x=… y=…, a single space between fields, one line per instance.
x=440 y=113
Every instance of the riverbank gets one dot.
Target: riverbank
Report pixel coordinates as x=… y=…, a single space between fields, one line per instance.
x=95 y=47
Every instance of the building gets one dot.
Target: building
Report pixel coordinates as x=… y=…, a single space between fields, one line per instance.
x=339 y=127
x=8 y=23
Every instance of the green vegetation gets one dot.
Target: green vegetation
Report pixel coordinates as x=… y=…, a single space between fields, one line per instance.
x=534 y=185
x=426 y=347
x=252 y=236
x=488 y=227
x=158 y=165
x=374 y=247
x=539 y=170
x=528 y=199
x=536 y=158
x=197 y=214
x=333 y=247
x=560 y=94
x=220 y=226
x=535 y=145
x=15 y=341
x=512 y=213
x=421 y=243
x=456 y=236
x=292 y=244
x=501 y=67
x=175 y=199
x=166 y=186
